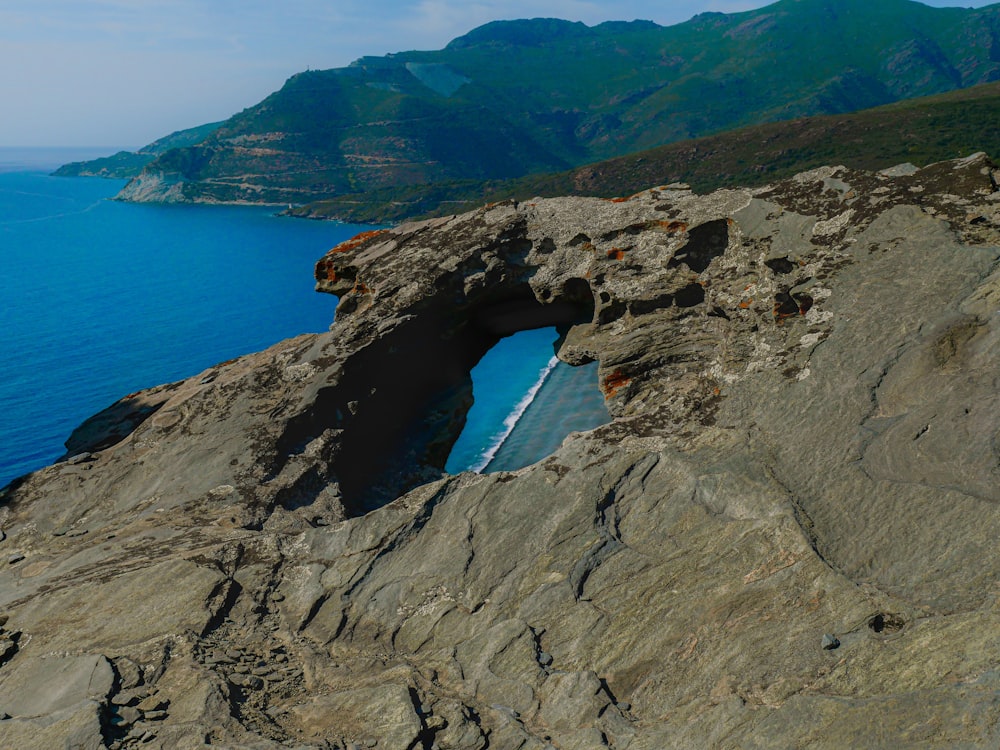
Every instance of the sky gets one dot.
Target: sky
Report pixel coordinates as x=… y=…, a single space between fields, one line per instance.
x=121 y=73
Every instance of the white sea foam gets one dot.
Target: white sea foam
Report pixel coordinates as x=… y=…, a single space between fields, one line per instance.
x=514 y=417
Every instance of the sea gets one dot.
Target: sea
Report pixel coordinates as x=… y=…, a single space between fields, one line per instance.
x=99 y=299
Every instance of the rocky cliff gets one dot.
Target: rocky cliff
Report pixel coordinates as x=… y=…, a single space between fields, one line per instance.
x=785 y=537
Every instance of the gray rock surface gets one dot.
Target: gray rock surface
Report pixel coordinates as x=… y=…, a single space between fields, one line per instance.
x=803 y=385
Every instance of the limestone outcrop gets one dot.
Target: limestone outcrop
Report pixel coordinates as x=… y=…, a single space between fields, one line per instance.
x=785 y=537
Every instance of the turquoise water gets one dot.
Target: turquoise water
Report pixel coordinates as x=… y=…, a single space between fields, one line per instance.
x=99 y=299
x=526 y=402
x=569 y=401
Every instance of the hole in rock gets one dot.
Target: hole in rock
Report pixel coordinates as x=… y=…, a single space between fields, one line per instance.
x=691 y=295
x=390 y=421
x=526 y=403
x=886 y=622
x=705 y=243
x=780 y=265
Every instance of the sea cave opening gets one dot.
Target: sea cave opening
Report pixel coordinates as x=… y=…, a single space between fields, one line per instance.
x=525 y=404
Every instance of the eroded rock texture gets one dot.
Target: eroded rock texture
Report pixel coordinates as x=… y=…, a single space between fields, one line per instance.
x=785 y=538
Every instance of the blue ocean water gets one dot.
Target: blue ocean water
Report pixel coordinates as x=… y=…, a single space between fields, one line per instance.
x=99 y=299
x=526 y=403
x=568 y=401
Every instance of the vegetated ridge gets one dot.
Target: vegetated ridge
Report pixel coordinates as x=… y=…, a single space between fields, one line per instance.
x=920 y=131
x=520 y=97
x=127 y=164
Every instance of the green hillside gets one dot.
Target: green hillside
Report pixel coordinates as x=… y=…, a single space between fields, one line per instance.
x=919 y=131
x=522 y=97
x=127 y=164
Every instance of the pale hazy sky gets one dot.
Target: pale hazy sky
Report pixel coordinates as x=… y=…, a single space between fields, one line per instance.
x=125 y=72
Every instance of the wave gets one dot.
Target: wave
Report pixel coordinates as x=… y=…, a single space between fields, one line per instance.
x=49 y=217
x=510 y=422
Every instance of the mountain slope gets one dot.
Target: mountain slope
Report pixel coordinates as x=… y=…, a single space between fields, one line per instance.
x=513 y=98
x=920 y=131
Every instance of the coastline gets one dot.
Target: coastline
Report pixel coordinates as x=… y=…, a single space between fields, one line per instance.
x=511 y=421
x=70 y=350
x=567 y=400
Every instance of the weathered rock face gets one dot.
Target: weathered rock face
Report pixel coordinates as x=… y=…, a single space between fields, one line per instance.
x=785 y=537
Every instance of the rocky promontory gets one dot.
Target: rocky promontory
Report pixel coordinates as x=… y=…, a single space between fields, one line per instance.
x=784 y=538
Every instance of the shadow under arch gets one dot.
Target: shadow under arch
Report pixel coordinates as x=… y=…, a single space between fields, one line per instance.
x=402 y=400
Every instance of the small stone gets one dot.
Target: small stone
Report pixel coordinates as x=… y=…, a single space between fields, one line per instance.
x=80 y=458
x=830 y=642
x=277 y=596
x=4 y=716
x=436 y=723
x=261 y=671
x=544 y=658
x=247 y=680
x=155 y=715
x=128 y=715
x=15 y=558
x=153 y=703
x=130 y=675
x=61 y=531
x=77 y=532
x=130 y=697
x=217 y=657
x=4 y=619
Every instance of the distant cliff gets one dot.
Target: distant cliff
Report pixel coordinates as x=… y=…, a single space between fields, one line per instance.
x=127 y=164
x=786 y=536
x=521 y=97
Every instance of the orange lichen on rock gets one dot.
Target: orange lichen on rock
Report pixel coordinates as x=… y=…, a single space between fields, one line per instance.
x=673 y=226
x=325 y=270
x=790 y=305
x=614 y=382
x=627 y=198
x=745 y=304
x=357 y=239
x=616 y=253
